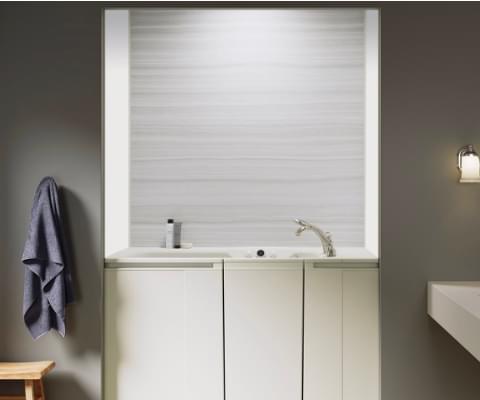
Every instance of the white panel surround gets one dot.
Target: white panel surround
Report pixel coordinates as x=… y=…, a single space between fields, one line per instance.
x=372 y=137
x=242 y=119
x=116 y=129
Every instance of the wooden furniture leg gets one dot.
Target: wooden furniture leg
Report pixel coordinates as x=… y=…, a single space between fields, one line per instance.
x=29 y=390
x=39 y=390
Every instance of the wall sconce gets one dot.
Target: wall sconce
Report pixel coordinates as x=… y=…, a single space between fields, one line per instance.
x=468 y=164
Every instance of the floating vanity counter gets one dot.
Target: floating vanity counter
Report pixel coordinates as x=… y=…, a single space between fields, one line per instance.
x=456 y=307
x=226 y=323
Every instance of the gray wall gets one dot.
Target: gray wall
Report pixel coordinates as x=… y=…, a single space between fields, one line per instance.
x=3 y=211
x=430 y=223
x=51 y=125
x=244 y=119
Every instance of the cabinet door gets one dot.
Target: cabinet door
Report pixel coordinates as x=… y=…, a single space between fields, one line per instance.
x=263 y=330
x=323 y=334
x=341 y=338
x=361 y=339
x=163 y=334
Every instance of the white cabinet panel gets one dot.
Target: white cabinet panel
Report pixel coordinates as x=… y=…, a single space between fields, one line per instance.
x=163 y=334
x=361 y=343
x=341 y=339
x=263 y=330
x=323 y=334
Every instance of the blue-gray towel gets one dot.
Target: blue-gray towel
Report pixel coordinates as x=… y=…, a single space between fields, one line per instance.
x=48 y=283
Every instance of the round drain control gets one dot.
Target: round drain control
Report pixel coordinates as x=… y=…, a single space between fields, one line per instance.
x=260 y=253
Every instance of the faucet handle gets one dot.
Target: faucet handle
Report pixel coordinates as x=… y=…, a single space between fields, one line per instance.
x=300 y=222
x=329 y=237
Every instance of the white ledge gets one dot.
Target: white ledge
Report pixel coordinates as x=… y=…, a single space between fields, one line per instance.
x=456 y=307
x=158 y=255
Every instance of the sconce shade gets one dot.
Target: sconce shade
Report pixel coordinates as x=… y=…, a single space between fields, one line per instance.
x=468 y=162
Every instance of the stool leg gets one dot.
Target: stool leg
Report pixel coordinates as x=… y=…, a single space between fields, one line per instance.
x=39 y=390
x=29 y=390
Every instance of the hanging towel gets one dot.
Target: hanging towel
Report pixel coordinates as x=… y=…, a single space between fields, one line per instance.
x=48 y=283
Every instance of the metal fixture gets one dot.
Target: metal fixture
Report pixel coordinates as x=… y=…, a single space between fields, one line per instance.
x=325 y=237
x=260 y=253
x=468 y=164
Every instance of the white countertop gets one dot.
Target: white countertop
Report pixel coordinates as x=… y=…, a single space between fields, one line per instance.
x=456 y=307
x=156 y=255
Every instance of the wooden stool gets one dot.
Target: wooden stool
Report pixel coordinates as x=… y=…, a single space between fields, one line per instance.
x=29 y=372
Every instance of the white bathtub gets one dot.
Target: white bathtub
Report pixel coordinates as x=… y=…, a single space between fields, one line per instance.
x=156 y=255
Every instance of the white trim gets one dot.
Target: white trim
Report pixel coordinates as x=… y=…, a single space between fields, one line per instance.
x=117 y=135
x=371 y=131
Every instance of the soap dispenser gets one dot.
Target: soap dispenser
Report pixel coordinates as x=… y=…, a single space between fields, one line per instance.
x=173 y=234
x=169 y=234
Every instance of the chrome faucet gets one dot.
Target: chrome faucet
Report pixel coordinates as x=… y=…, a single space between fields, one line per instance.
x=325 y=237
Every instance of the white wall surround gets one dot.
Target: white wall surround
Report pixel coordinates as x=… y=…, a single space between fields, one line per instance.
x=116 y=129
x=243 y=119
x=372 y=137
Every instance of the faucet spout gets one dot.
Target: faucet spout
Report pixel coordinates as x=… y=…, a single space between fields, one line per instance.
x=300 y=230
x=325 y=237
